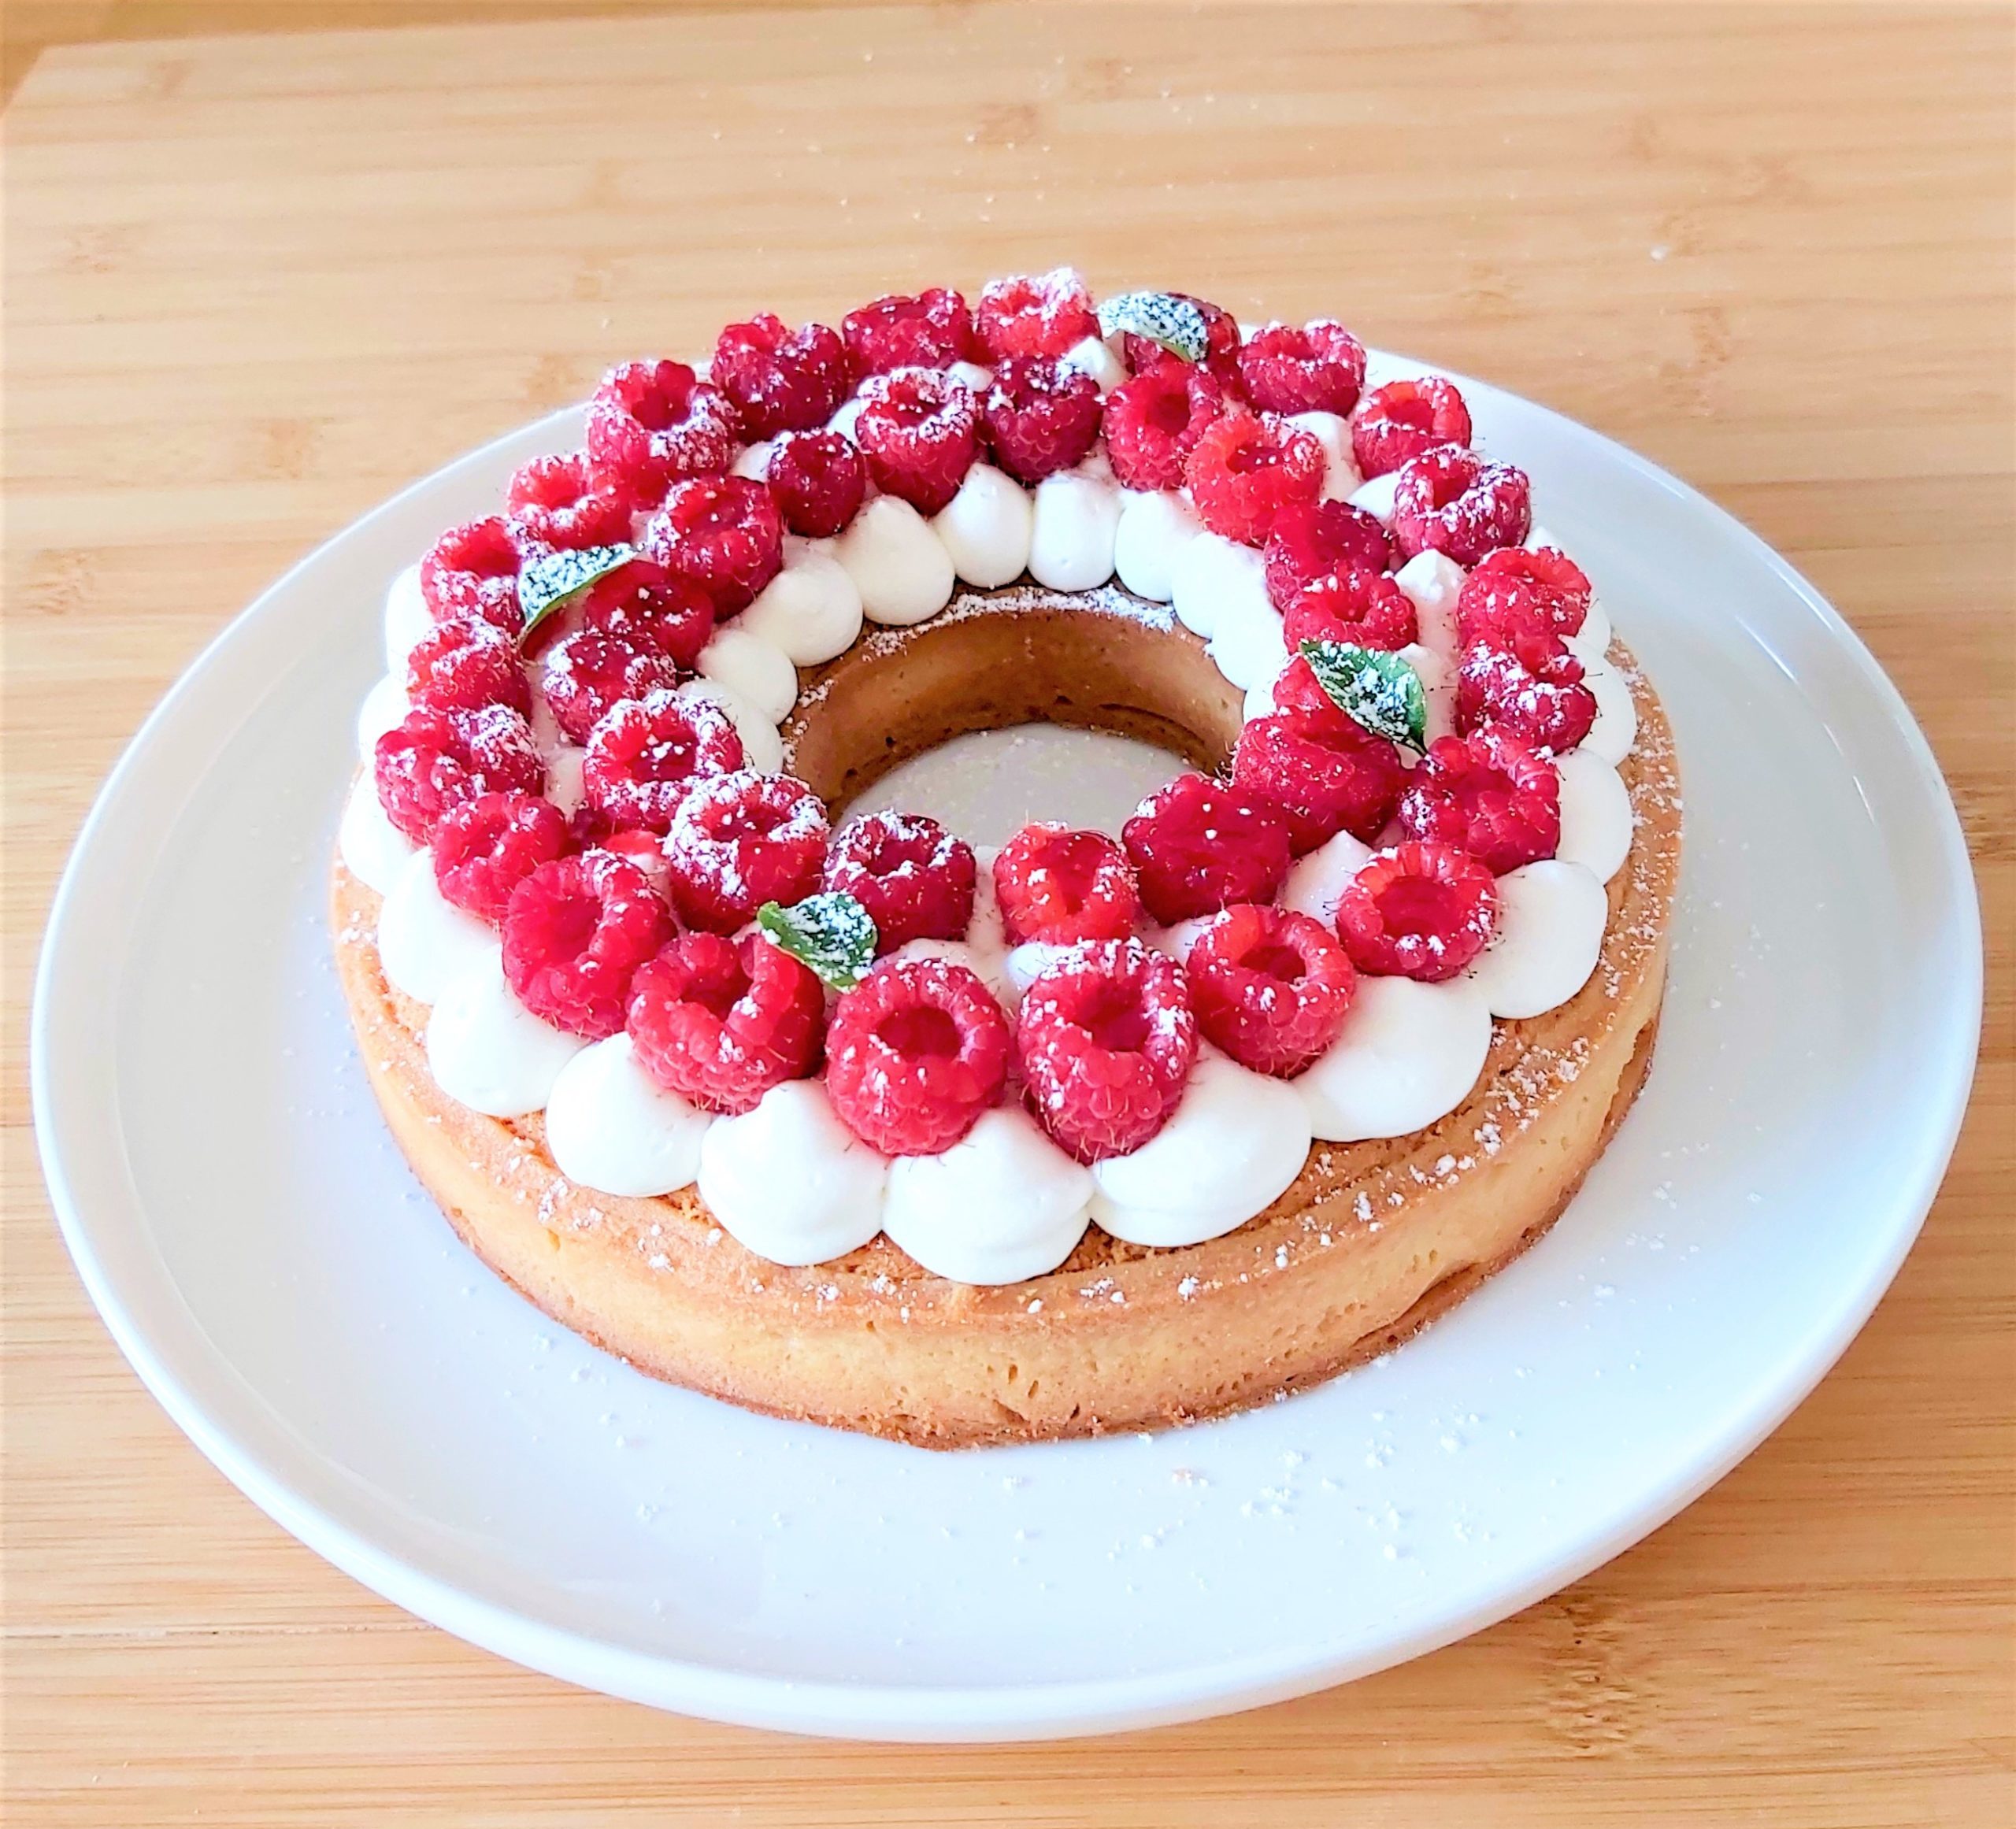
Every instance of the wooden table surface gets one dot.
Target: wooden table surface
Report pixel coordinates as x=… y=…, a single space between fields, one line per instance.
x=254 y=283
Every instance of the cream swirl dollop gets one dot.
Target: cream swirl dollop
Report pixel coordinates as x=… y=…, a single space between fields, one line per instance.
x=899 y=566
x=487 y=1050
x=1156 y=527
x=811 y=610
x=612 y=1127
x=425 y=941
x=407 y=618
x=789 y=1181
x=374 y=850
x=1550 y=934
x=1409 y=1054
x=987 y=527
x=1077 y=519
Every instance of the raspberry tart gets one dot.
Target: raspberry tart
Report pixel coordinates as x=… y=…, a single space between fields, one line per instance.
x=847 y=1119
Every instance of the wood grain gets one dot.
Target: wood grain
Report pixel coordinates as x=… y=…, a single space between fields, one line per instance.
x=253 y=284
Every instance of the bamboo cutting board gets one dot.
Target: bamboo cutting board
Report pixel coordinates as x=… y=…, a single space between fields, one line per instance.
x=254 y=284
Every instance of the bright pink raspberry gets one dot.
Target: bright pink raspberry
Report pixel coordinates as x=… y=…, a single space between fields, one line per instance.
x=915 y=879
x=720 y=1021
x=1487 y=794
x=652 y=422
x=465 y=663
x=1246 y=468
x=567 y=503
x=576 y=930
x=722 y=532
x=1318 y=368
x=919 y=432
x=1062 y=887
x=1325 y=772
x=486 y=847
x=741 y=840
x=916 y=1051
x=1106 y=1037
x=934 y=330
x=1531 y=686
x=1366 y=608
x=436 y=760
x=819 y=479
x=1519 y=591
x=1040 y=416
x=1449 y=500
x=646 y=605
x=1396 y=423
x=1271 y=987
x=644 y=849
x=472 y=570
x=590 y=671
x=1421 y=911
x=1042 y=314
x=645 y=753
x=1200 y=845
x=778 y=379
x=1310 y=539
x=1154 y=422
x=1144 y=354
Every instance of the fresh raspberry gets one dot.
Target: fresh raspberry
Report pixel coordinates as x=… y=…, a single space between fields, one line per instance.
x=575 y=931
x=1271 y=987
x=919 y=431
x=778 y=379
x=1319 y=368
x=1042 y=314
x=590 y=671
x=1418 y=910
x=1449 y=500
x=1062 y=887
x=723 y=533
x=1487 y=794
x=1154 y=421
x=819 y=479
x=1106 y=1037
x=720 y=1021
x=645 y=751
x=1199 y=845
x=1247 y=468
x=741 y=840
x=645 y=849
x=917 y=1051
x=1366 y=608
x=1326 y=772
x=472 y=570
x=486 y=847
x=651 y=422
x=914 y=878
x=1531 y=686
x=934 y=330
x=1041 y=417
x=567 y=503
x=436 y=760
x=1143 y=354
x=1517 y=590
x=464 y=663
x=1311 y=539
x=1396 y=423
x=650 y=607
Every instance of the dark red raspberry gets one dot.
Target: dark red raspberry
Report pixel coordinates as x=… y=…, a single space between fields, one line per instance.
x=1311 y=539
x=590 y=671
x=1396 y=423
x=567 y=503
x=778 y=379
x=1319 y=368
x=1199 y=845
x=1366 y=608
x=1041 y=314
x=1061 y=887
x=1247 y=468
x=1143 y=354
x=575 y=931
x=919 y=432
x=741 y=840
x=486 y=847
x=1327 y=772
x=722 y=532
x=1449 y=500
x=1531 y=686
x=1040 y=416
x=1271 y=987
x=645 y=751
x=1154 y=421
x=917 y=1051
x=436 y=760
x=934 y=330
x=647 y=605
x=1418 y=910
x=472 y=570
x=1487 y=794
x=720 y=1021
x=652 y=422
x=819 y=479
x=914 y=877
x=1517 y=590
x=1106 y=1037
x=464 y=663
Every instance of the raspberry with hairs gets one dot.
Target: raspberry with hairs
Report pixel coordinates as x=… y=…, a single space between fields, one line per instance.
x=575 y=931
x=723 y=533
x=916 y=1051
x=916 y=880
x=1040 y=417
x=567 y=503
x=485 y=848
x=1200 y=845
x=1318 y=368
x=1042 y=314
x=1487 y=793
x=645 y=753
x=1153 y=423
x=1061 y=887
x=1246 y=468
x=1519 y=591
x=1420 y=911
x=720 y=1021
x=1271 y=987
x=741 y=840
x=919 y=431
x=933 y=330
x=1310 y=540
x=778 y=379
x=465 y=664
x=1396 y=423
x=1531 y=685
x=1366 y=608
x=651 y=423
x=819 y=480
x=472 y=570
x=436 y=760
x=1449 y=500
x=590 y=671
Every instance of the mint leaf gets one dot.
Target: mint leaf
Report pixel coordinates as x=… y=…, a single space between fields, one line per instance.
x=1378 y=690
x=831 y=932
x=1163 y=318
x=553 y=580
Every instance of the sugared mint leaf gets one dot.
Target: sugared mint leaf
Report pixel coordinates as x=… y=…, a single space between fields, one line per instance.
x=1378 y=690
x=1163 y=318
x=553 y=580
x=832 y=933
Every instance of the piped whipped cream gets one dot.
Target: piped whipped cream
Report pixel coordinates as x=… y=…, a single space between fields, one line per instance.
x=1550 y=919
x=899 y=566
x=1409 y=1054
x=1156 y=527
x=407 y=618
x=811 y=610
x=374 y=850
x=987 y=527
x=425 y=941
x=1077 y=518
x=610 y=1126
x=790 y=1181
x=487 y=1050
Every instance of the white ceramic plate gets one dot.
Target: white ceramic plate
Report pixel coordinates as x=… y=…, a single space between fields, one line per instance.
x=255 y=1244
